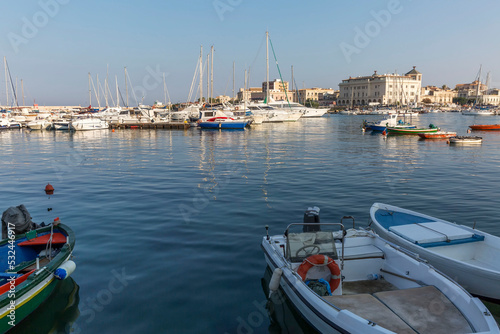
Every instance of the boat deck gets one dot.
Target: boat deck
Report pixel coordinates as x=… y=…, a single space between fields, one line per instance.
x=416 y=310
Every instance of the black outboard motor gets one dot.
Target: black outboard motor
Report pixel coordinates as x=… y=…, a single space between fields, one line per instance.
x=311 y=220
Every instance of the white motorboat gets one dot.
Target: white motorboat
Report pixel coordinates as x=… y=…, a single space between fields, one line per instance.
x=86 y=124
x=353 y=281
x=467 y=255
x=465 y=140
x=61 y=125
x=478 y=112
x=39 y=124
x=272 y=114
x=306 y=112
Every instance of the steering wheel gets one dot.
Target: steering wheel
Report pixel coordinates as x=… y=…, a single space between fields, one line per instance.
x=315 y=249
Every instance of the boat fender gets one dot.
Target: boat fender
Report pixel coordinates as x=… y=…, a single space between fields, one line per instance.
x=321 y=260
x=274 y=283
x=65 y=270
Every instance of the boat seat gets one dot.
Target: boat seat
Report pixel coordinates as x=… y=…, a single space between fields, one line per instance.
x=433 y=234
x=362 y=252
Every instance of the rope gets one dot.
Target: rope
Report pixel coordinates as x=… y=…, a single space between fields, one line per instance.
x=286 y=95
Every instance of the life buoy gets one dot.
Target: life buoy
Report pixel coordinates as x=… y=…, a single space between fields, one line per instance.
x=236 y=108
x=321 y=260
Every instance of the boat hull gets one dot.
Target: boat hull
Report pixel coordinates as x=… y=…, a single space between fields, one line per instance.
x=411 y=131
x=485 y=127
x=437 y=135
x=483 y=282
x=465 y=140
x=40 y=283
x=222 y=125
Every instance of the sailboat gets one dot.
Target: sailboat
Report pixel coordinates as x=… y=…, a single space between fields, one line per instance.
x=478 y=110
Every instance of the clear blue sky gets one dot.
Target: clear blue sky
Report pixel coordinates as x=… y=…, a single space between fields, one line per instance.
x=446 y=40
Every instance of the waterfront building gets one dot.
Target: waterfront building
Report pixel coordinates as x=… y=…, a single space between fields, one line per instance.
x=278 y=91
x=436 y=95
x=313 y=94
x=483 y=96
x=384 y=89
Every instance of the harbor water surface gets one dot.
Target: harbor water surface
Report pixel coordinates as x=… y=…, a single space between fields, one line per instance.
x=169 y=222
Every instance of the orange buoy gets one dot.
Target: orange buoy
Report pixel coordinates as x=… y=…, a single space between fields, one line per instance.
x=321 y=260
x=113 y=130
x=49 y=190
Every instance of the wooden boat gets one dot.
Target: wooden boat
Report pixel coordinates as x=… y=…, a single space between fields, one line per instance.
x=467 y=255
x=437 y=135
x=353 y=281
x=465 y=140
x=485 y=127
x=222 y=123
x=411 y=131
x=32 y=265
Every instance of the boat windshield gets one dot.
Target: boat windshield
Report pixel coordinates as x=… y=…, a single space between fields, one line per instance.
x=302 y=245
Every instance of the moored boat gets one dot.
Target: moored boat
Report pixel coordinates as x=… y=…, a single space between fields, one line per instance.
x=437 y=135
x=34 y=262
x=485 y=127
x=353 y=281
x=411 y=131
x=465 y=140
x=86 y=124
x=222 y=123
x=468 y=255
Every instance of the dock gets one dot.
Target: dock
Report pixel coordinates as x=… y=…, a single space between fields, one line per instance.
x=156 y=125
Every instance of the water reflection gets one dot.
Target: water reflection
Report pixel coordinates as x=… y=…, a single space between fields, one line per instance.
x=55 y=315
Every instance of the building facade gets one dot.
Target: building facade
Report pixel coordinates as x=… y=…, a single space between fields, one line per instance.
x=278 y=91
x=385 y=89
x=435 y=95
x=313 y=94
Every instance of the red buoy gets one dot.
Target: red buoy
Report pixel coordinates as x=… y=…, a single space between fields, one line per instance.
x=49 y=190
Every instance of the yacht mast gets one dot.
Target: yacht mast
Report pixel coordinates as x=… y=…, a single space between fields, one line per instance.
x=208 y=78
x=6 y=81
x=233 y=81
x=90 y=92
x=117 y=93
x=212 y=74
x=267 y=67
x=126 y=86
x=201 y=74
x=22 y=91
x=292 y=84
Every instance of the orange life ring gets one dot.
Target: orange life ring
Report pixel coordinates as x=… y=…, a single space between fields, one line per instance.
x=236 y=108
x=321 y=260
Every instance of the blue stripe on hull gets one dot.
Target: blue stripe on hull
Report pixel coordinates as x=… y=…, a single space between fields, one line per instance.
x=217 y=125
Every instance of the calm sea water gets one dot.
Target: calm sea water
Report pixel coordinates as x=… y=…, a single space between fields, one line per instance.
x=169 y=223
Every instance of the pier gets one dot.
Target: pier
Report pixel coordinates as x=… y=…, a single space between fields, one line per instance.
x=156 y=125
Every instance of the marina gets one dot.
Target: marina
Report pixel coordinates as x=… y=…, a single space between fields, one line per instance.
x=193 y=198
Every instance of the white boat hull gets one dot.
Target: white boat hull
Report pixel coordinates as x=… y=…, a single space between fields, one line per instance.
x=477 y=270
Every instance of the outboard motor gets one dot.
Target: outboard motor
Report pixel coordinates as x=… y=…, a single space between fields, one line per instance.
x=311 y=220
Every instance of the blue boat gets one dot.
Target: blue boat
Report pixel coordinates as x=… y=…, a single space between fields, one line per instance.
x=222 y=123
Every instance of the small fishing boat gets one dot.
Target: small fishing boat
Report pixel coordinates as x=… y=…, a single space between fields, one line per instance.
x=86 y=124
x=465 y=140
x=32 y=265
x=390 y=120
x=437 y=135
x=222 y=123
x=353 y=281
x=411 y=131
x=468 y=255
x=485 y=127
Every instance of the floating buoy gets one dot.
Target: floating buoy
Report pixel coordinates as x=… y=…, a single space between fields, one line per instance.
x=65 y=270
x=49 y=190
x=113 y=130
x=274 y=283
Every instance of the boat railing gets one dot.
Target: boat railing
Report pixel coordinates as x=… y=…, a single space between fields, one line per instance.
x=288 y=254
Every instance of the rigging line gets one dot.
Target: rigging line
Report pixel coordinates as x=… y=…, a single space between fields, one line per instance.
x=119 y=91
x=12 y=84
x=257 y=55
x=192 y=82
x=281 y=77
x=133 y=90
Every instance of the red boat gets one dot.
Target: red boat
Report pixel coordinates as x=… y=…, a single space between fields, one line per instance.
x=437 y=135
x=485 y=127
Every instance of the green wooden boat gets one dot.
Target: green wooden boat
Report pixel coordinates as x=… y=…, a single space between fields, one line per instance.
x=411 y=131
x=31 y=267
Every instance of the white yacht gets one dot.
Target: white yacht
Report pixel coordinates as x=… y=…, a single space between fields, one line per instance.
x=86 y=124
x=297 y=107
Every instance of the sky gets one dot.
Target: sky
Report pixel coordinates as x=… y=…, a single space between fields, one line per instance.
x=52 y=45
